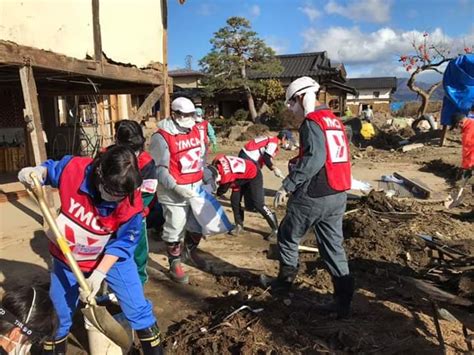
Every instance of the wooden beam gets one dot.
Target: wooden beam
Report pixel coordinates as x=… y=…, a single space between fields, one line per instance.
x=149 y=102
x=14 y=54
x=32 y=114
x=96 y=30
x=165 y=101
x=415 y=187
x=73 y=91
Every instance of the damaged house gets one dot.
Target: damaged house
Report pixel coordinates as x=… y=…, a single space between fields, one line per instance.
x=69 y=70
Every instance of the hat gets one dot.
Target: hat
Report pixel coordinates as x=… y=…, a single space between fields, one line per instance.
x=183 y=105
x=300 y=86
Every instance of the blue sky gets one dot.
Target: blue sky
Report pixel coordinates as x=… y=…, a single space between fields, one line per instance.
x=367 y=36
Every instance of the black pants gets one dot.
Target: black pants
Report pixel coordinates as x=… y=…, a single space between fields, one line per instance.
x=252 y=188
x=248 y=203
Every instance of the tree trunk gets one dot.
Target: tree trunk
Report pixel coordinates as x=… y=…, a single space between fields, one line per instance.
x=425 y=100
x=248 y=94
x=251 y=103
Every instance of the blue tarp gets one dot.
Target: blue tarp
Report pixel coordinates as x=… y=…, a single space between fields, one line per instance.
x=458 y=83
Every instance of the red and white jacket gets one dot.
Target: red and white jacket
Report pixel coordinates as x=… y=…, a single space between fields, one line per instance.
x=232 y=168
x=257 y=147
x=186 y=155
x=338 y=166
x=86 y=231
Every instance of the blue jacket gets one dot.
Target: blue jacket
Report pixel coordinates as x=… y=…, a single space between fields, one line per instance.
x=126 y=238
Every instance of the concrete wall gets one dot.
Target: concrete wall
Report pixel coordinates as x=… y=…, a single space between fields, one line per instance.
x=187 y=82
x=131 y=30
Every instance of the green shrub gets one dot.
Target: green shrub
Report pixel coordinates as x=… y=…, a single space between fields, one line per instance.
x=240 y=115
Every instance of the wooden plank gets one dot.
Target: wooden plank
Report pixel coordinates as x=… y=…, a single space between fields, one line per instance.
x=416 y=188
x=167 y=81
x=14 y=54
x=408 y=147
x=444 y=135
x=32 y=114
x=149 y=102
x=96 y=31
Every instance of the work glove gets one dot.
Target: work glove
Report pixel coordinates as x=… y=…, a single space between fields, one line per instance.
x=278 y=173
x=214 y=147
x=185 y=192
x=94 y=281
x=280 y=197
x=24 y=175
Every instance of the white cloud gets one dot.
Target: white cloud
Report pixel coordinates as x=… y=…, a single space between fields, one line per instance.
x=309 y=10
x=279 y=45
x=375 y=53
x=254 y=10
x=377 y=11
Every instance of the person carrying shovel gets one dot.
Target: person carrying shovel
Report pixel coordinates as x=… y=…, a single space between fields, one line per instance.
x=242 y=176
x=317 y=184
x=101 y=217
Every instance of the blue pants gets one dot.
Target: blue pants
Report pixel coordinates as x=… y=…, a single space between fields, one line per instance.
x=324 y=215
x=122 y=279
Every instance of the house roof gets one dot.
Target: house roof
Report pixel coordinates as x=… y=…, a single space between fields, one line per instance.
x=185 y=72
x=373 y=83
x=315 y=64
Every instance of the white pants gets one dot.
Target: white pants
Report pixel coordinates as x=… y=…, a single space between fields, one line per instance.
x=178 y=220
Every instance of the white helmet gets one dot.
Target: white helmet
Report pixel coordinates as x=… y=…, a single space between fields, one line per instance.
x=300 y=86
x=182 y=105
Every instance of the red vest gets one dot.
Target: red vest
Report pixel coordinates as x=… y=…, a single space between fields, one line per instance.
x=86 y=231
x=233 y=168
x=144 y=158
x=338 y=165
x=186 y=152
x=260 y=145
x=468 y=144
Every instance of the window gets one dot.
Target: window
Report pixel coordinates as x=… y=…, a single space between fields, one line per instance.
x=376 y=93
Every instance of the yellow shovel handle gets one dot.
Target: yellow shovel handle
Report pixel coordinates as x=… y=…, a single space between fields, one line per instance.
x=60 y=240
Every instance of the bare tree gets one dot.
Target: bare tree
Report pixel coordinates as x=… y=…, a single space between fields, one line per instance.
x=427 y=56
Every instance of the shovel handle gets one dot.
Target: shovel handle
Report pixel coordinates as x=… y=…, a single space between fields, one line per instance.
x=60 y=240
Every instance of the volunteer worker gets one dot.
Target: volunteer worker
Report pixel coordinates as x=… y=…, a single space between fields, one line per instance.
x=317 y=185
x=130 y=134
x=262 y=150
x=207 y=129
x=101 y=216
x=243 y=176
x=178 y=148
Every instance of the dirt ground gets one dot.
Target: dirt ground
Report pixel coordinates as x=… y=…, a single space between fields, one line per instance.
x=384 y=249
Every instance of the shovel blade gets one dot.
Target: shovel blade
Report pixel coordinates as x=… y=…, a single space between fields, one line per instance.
x=455 y=199
x=101 y=319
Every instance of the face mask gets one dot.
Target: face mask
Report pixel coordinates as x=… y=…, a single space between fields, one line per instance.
x=185 y=122
x=198 y=119
x=296 y=108
x=19 y=349
x=109 y=197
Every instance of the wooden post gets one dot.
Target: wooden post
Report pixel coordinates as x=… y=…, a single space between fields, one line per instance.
x=149 y=102
x=165 y=100
x=113 y=112
x=444 y=135
x=96 y=31
x=32 y=114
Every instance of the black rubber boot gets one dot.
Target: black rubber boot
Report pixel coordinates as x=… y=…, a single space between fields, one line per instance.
x=281 y=285
x=344 y=290
x=342 y=297
x=55 y=347
x=189 y=254
x=273 y=223
x=150 y=339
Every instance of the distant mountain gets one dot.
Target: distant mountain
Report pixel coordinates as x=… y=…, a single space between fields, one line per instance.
x=403 y=93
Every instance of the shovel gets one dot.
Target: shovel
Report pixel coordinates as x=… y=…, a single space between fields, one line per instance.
x=97 y=315
x=273 y=252
x=455 y=198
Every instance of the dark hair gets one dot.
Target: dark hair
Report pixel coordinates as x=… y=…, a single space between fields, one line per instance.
x=129 y=133
x=117 y=170
x=18 y=301
x=456 y=118
x=282 y=135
